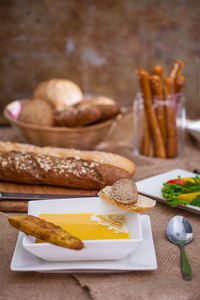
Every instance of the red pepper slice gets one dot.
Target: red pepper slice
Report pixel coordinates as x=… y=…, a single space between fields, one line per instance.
x=176 y=181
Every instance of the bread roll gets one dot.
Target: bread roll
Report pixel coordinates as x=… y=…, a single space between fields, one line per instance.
x=60 y=93
x=100 y=100
x=65 y=118
x=77 y=116
x=87 y=114
x=36 y=112
x=62 y=167
x=108 y=111
x=108 y=107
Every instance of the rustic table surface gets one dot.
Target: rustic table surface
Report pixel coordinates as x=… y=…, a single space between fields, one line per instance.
x=164 y=283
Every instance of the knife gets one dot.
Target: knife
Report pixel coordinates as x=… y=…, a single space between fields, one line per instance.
x=27 y=196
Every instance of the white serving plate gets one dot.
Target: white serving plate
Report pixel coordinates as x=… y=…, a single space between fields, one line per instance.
x=143 y=258
x=152 y=186
x=94 y=249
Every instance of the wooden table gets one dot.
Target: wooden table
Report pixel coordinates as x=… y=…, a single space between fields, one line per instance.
x=164 y=283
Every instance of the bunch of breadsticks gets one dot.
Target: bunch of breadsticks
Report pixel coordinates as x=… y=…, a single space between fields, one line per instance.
x=160 y=96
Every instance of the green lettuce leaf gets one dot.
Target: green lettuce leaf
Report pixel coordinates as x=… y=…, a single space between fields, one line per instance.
x=171 y=191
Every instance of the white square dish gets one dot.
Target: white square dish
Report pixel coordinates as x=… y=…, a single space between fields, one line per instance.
x=143 y=258
x=152 y=186
x=111 y=249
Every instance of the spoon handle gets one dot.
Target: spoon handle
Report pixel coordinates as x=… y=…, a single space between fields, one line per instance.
x=185 y=266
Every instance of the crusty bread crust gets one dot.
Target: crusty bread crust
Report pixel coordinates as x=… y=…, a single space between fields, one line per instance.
x=62 y=167
x=143 y=204
x=96 y=156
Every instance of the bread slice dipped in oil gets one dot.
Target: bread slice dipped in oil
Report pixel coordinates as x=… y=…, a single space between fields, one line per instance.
x=123 y=194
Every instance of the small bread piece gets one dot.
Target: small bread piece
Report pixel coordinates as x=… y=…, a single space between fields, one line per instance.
x=124 y=191
x=143 y=203
x=60 y=93
x=45 y=231
x=36 y=112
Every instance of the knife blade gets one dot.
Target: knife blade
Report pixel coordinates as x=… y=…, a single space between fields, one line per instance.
x=28 y=196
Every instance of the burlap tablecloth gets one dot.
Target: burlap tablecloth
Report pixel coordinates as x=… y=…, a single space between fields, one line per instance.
x=164 y=283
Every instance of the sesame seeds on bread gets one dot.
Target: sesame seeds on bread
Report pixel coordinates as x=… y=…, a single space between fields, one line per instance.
x=62 y=167
x=100 y=157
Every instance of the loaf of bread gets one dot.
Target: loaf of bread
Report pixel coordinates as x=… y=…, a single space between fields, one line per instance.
x=29 y=164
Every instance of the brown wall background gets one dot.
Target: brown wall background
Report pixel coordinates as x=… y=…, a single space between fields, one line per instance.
x=98 y=44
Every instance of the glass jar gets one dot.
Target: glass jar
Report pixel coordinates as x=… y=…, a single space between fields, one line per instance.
x=158 y=126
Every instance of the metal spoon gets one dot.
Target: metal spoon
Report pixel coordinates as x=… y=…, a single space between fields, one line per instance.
x=179 y=232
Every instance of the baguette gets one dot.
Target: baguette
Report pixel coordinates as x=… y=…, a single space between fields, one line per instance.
x=29 y=164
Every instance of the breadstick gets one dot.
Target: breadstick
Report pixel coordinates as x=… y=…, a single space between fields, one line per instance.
x=175 y=73
x=156 y=90
x=151 y=151
x=159 y=149
x=145 y=144
x=176 y=68
x=172 y=141
x=179 y=83
x=157 y=70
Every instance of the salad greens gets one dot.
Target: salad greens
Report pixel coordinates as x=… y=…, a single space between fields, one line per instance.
x=171 y=192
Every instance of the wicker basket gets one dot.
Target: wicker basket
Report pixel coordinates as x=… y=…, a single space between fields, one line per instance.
x=84 y=138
